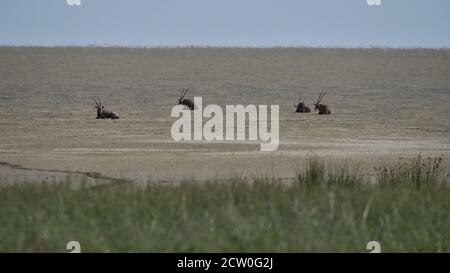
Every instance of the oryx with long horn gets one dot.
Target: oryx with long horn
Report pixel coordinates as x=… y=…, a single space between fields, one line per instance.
x=187 y=102
x=102 y=112
x=301 y=107
x=322 y=108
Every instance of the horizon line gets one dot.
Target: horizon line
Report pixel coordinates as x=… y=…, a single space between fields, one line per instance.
x=220 y=46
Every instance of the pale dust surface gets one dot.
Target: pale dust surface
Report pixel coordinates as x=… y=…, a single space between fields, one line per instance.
x=388 y=104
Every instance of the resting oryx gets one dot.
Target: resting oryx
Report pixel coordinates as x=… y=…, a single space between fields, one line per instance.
x=187 y=102
x=322 y=108
x=102 y=112
x=301 y=107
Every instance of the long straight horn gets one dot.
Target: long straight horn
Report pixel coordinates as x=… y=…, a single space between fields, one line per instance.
x=183 y=92
x=96 y=103
x=323 y=95
x=319 y=100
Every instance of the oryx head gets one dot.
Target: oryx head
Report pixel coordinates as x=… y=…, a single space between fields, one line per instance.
x=98 y=105
x=301 y=102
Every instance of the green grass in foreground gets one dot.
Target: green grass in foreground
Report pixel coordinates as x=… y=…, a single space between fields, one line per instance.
x=324 y=210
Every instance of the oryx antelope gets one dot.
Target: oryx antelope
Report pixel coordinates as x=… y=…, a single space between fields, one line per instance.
x=187 y=102
x=322 y=108
x=102 y=112
x=301 y=107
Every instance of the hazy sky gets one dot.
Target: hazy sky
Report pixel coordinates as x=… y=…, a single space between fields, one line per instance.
x=397 y=23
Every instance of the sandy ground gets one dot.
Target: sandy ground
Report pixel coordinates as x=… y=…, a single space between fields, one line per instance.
x=387 y=104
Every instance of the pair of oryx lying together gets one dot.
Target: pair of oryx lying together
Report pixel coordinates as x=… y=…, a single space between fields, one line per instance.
x=318 y=106
x=104 y=113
